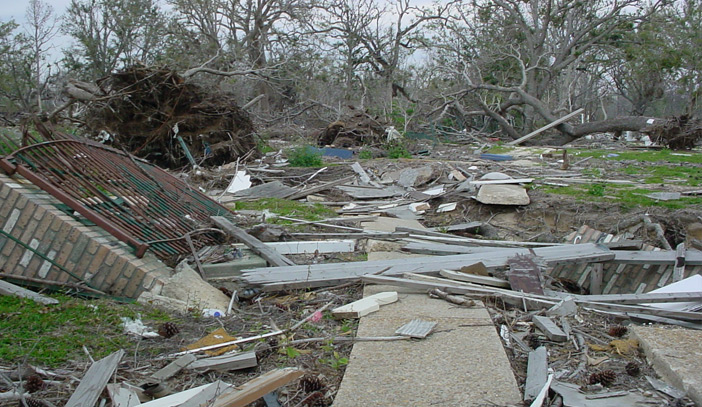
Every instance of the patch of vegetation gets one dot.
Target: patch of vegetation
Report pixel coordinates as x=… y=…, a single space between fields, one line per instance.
x=642 y=156
x=51 y=335
x=365 y=154
x=284 y=207
x=263 y=147
x=661 y=174
x=397 y=150
x=305 y=156
x=499 y=149
x=625 y=195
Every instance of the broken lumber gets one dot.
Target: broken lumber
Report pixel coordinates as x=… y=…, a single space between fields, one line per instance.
x=321 y=187
x=364 y=306
x=537 y=373
x=546 y=127
x=549 y=328
x=319 y=275
x=94 y=381
x=223 y=363
x=17 y=291
x=256 y=245
x=122 y=396
x=255 y=389
x=472 y=278
x=174 y=367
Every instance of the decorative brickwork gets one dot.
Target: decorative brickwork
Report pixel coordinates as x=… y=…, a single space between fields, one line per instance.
x=50 y=237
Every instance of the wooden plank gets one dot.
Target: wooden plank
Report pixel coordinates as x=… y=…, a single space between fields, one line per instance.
x=641 y=298
x=94 y=381
x=679 y=269
x=368 y=193
x=256 y=245
x=441 y=249
x=225 y=363
x=472 y=278
x=502 y=181
x=122 y=396
x=537 y=373
x=274 y=189
x=658 y=257
x=320 y=273
x=321 y=187
x=201 y=396
x=459 y=227
x=328 y=246
x=549 y=328
x=257 y=388
x=416 y=328
x=364 y=306
x=17 y=291
x=460 y=240
x=625 y=245
x=525 y=275
x=174 y=367
x=596 y=274
x=546 y=127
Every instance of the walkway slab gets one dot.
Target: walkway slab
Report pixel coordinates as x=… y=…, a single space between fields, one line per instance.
x=462 y=363
x=676 y=355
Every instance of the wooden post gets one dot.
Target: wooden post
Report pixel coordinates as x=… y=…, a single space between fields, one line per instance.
x=596 y=278
x=546 y=127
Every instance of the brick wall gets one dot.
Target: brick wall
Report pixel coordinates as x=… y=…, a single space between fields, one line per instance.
x=31 y=216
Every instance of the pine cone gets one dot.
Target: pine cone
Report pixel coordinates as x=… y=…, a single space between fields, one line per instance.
x=168 y=330
x=315 y=399
x=29 y=402
x=618 y=331
x=632 y=369
x=33 y=384
x=310 y=384
x=605 y=377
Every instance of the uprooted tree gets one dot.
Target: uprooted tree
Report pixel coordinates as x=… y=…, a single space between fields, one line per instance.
x=144 y=110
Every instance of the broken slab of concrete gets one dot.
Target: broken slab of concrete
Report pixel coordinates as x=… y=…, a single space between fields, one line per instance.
x=676 y=355
x=464 y=353
x=187 y=286
x=503 y=195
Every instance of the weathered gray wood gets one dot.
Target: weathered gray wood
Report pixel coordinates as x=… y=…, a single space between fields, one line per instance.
x=537 y=373
x=659 y=257
x=625 y=245
x=255 y=389
x=416 y=328
x=459 y=227
x=641 y=298
x=224 y=363
x=122 y=396
x=441 y=249
x=596 y=274
x=256 y=245
x=549 y=328
x=319 y=273
x=679 y=269
x=472 y=278
x=460 y=240
x=502 y=181
x=17 y=291
x=369 y=193
x=94 y=381
x=274 y=189
x=174 y=367
x=321 y=187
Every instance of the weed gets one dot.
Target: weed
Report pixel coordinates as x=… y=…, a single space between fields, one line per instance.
x=642 y=156
x=596 y=189
x=305 y=156
x=397 y=150
x=365 y=154
x=262 y=146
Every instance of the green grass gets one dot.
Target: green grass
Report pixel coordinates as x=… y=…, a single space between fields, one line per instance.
x=397 y=150
x=284 y=207
x=642 y=156
x=627 y=196
x=52 y=335
x=662 y=174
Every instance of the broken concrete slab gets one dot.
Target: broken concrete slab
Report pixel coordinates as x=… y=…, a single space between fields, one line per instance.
x=676 y=355
x=465 y=353
x=503 y=195
x=187 y=285
x=230 y=269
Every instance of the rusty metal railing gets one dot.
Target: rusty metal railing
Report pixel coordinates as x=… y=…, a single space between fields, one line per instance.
x=136 y=202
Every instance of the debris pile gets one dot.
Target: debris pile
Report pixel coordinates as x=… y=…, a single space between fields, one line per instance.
x=677 y=133
x=143 y=111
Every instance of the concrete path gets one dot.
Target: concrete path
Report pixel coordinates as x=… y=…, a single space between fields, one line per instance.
x=676 y=355
x=462 y=363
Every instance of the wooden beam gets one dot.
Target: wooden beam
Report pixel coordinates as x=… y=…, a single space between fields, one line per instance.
x=679 y=269
x=94 y=381
x=17 y=291
x=596 y=274
x=537 y=373
x=472 y=278
x=225 y=363
x=321 y=187
x=122 y=396
x=257 y=388
x=256 y=245
x=546 y=127
x=549 y=328
x=174 y=367
x=658 y=257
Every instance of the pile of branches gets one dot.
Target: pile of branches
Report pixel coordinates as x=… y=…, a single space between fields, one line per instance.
x=358 y=129
x=142 y=110
x=677 y=133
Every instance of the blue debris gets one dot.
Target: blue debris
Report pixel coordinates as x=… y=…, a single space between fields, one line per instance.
x=496 y=157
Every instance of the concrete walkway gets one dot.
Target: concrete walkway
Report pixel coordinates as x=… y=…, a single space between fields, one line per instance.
x=676 y=355
x=462 y=363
